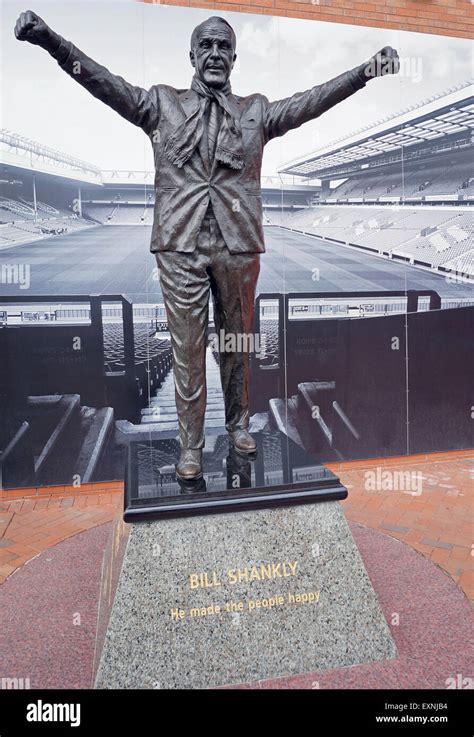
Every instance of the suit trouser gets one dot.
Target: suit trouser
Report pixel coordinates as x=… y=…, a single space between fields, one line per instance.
x=186 y=280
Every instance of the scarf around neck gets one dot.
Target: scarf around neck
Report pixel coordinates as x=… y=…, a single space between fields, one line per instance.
x=229 y=151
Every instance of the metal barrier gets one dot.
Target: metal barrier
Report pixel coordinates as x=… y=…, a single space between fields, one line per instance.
x=95 y=313
x=269 y=371
x=359 y=388
x=95 y=388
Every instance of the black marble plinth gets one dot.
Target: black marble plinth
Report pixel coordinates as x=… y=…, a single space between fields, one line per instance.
x=280 y=473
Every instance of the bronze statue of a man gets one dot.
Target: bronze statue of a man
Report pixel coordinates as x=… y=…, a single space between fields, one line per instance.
x=207 y=230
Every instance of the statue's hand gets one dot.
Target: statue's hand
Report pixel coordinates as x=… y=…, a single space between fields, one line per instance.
x=30 y=27
x=384 y=62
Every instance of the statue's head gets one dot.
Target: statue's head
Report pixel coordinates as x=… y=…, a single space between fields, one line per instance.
x=213 y=51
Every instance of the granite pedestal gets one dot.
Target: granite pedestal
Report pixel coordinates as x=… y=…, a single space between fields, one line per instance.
x=219 y=599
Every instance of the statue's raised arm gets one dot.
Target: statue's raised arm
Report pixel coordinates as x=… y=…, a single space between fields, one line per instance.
x=284 y=115
x=136 y=104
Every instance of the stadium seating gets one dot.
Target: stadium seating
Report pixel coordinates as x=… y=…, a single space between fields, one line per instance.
x=24 y=231
x=357 y=211
x=424 y=235
x=411 y=179
x=152 y=356
x=279 y=217
x=119 y=213
x=452 y=180
x=18 y=224
x=463 y=264
x=100 y=213
x=14 y=210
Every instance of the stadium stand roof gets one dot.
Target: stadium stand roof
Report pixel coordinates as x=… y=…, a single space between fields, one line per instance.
x=21 y=153
x=447 y=116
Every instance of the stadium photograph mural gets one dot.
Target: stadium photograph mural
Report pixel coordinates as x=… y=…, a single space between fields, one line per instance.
x=361 y=340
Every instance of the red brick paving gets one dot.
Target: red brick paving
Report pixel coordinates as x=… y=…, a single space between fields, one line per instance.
x=437 y=523
x=35 y=523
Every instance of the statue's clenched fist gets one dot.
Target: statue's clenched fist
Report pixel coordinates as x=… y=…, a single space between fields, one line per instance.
x=30 y=27
x=384 y=62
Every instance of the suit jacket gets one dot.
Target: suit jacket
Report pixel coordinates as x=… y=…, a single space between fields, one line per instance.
x=183 y=194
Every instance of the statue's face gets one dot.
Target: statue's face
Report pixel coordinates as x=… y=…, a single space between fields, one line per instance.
x=213 y=54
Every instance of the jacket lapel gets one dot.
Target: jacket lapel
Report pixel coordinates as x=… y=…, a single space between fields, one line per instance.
x=189 y=102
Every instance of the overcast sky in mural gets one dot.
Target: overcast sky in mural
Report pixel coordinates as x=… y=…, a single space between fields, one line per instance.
x=149 y=44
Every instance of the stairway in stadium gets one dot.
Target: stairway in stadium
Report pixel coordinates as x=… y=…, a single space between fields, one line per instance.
x=162 y=409
x=53 y=439
x=313 y=419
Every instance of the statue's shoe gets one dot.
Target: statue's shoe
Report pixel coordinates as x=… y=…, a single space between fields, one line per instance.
x=242 y=441
x=189 y=466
